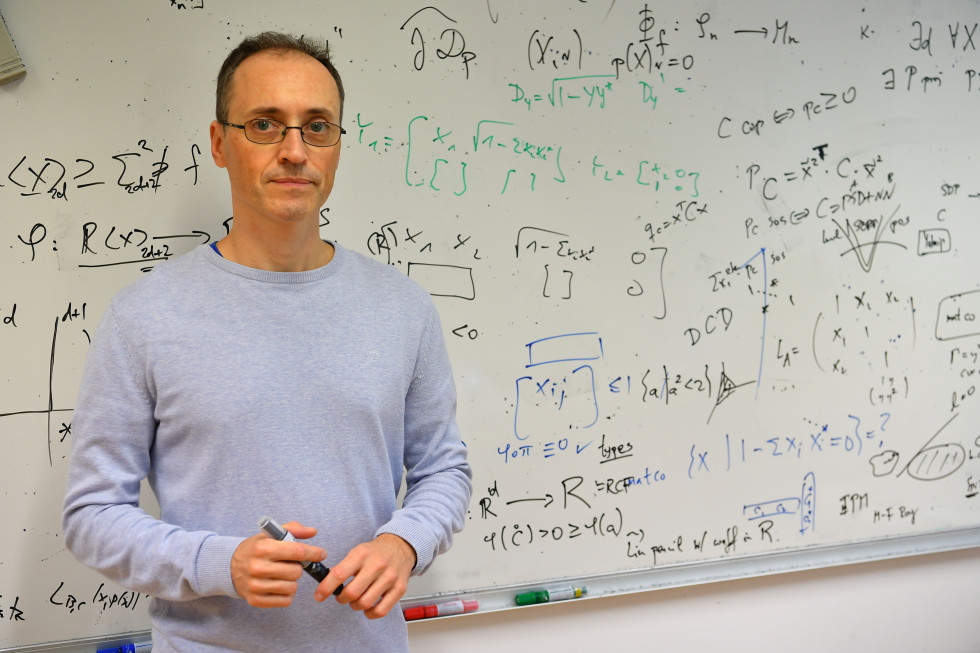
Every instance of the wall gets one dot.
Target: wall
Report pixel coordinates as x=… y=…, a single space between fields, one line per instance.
x=911 y=605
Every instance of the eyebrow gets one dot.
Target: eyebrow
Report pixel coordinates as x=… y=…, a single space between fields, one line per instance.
x=272 y=111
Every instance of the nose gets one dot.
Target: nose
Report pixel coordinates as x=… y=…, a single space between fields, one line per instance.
x=292 y=148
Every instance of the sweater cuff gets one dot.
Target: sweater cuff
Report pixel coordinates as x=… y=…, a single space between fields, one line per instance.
x=418 y=538
x=214 y=566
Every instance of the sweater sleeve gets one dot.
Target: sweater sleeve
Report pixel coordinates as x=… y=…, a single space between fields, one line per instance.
x=104 y=526
x=438 y=476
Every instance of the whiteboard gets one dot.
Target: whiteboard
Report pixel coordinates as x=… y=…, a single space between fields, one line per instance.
x=707 y=273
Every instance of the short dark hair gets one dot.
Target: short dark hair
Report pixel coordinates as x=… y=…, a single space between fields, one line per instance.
x=276 y=42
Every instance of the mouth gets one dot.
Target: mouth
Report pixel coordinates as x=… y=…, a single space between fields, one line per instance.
x=292 y=182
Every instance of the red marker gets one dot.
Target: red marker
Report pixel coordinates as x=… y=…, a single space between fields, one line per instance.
x=440 y=610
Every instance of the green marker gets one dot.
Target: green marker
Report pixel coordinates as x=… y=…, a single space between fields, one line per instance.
x=546 y=596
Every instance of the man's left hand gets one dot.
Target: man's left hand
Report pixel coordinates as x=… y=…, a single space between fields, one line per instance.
x=380 y=571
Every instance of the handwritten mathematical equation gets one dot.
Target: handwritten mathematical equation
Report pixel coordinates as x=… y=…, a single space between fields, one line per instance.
x=921 y=42
x=816 y=441
x=633 y=544
x=438 y=158
x=810 y=109
x=12 y=612
x=137 y=169
x=555 y=401
x=102 y=600
x=116 y=245
x=514 y=536
x=767 y=519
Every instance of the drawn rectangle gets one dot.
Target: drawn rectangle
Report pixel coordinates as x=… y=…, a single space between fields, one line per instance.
x=444 y=280
x=957 y=316
x=788 y=506
x=934 y=241
x=563 y=348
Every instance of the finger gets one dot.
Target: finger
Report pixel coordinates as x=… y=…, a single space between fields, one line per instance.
x=270 y=599
x=360 y=564
x=255 y=558
x=362 y=571
x=300 y=531
x=265 y=571
x=275 y=569
x=267 y=592
x=364 y=590
x=333 y=584
x=277 y=550
x=270 y=587
x=374 y=580
x=295 y=551
x=381 y=595
x=377 y=567
x=384 y=606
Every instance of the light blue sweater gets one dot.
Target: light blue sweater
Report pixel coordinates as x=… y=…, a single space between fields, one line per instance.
x=241 y=392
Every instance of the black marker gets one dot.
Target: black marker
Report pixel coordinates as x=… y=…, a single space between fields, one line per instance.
x=315 y=569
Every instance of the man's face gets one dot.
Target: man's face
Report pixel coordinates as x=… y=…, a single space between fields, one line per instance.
x=287 y=181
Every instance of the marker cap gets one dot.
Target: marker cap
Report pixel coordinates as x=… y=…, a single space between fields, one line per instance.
x=530 y=598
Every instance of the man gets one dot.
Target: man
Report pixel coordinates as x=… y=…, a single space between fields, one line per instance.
x=271 y=373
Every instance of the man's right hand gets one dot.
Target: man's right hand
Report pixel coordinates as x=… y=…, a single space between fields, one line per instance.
x=265 y=571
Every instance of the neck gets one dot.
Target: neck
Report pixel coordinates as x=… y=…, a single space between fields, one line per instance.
x=277 y=248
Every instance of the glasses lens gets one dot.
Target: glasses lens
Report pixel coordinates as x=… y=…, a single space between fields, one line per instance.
x=262 y=130
x=321 y=133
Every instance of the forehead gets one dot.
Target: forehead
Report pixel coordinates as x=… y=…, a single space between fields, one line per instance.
x=289 y=81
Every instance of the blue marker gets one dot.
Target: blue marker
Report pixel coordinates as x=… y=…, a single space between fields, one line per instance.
x=129 y=647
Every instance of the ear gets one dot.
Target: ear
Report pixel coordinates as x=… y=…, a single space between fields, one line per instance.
x=218 y=143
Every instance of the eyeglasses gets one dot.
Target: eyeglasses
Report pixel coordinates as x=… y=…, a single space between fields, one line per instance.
x=318 y=133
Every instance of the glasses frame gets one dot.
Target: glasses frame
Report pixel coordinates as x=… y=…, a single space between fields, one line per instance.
x=285 y=128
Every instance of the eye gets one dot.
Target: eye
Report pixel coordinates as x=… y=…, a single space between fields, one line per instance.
x=318 y=127
x=261 y=125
